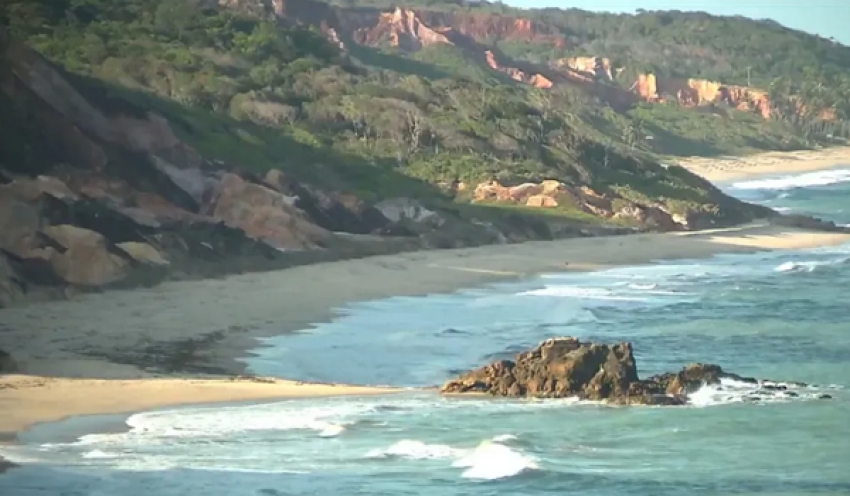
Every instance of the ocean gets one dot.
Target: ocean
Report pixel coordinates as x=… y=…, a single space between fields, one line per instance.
x=777 y=315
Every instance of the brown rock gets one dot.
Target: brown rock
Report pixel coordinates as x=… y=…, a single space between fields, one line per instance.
x=81 y=257
x=652 y=217
x=143 y=253
x=691 y=92
x=263 y=214
x=542 y=201
x=566 y=367
x=557 y=368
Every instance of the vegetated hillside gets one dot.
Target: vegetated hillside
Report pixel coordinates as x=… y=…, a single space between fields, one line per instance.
x=244 y=84
x=804 y=78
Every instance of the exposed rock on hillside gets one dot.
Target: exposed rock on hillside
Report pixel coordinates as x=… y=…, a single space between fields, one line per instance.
x=693 y=92
x=566 y=367
x=552 y=194
x=588 y=68
x=536 y=80
x=411 y=29
x=118 y=200
x=400 y=28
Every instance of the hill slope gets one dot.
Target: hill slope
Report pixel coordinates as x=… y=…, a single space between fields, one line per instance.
x=196 y=137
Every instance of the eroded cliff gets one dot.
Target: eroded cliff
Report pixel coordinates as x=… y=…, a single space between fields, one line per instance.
x=693 y=92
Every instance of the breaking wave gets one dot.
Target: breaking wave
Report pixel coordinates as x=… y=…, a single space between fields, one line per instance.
x=491 y=459
x=820 y=178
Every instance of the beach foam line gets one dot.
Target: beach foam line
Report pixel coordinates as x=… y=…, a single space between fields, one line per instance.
x=478 y=271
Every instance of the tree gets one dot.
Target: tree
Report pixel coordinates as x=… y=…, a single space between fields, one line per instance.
x=174 y=16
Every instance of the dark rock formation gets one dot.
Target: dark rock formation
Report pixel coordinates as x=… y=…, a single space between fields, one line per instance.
x=806 y=222
x=566 y=367
x=7 y=365
x=6 y=465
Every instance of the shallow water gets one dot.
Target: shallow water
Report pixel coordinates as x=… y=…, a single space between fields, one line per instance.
x=776 y=315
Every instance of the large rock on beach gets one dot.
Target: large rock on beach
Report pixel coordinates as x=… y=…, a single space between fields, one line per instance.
x=566 y=367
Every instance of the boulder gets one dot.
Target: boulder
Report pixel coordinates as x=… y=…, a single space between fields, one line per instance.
x=651 y=217
x=406 y=209
x=81 y=257
x=541 y=201
x=263 y=213
x=334 y=211
x=566 y=367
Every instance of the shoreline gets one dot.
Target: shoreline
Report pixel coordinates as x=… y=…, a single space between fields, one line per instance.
x=723 y=169
x=28 y=401
x=92 y=370
x=180 y=343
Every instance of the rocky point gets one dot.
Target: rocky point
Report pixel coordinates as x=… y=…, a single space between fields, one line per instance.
x=568 y=368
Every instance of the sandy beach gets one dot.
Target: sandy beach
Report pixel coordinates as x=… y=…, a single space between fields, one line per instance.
x=179 y=343
x=26 y=400
x=126 y=357
x=736 y=168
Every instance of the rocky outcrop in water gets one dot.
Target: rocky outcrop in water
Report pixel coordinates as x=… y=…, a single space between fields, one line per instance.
x=6 y=465
x=7 y=365
x=807 y=222
x=566 y=367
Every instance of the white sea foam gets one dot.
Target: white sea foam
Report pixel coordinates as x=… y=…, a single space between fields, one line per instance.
x=808 y=265
x=732 y=391
x=415 y=450
x=491 y=459
x=324 y=421
x=820 y=178
x=581 y=292
x=99 y=454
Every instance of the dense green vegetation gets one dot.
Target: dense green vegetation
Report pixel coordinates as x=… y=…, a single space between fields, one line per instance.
x=247 y=91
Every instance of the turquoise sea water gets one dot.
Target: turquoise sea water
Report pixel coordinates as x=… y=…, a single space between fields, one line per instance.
x=781 y=315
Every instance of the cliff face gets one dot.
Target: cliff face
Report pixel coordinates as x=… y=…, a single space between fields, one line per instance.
x=693 y=92
x=400 y=28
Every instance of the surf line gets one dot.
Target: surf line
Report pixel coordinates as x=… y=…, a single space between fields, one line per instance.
x=480 y=271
